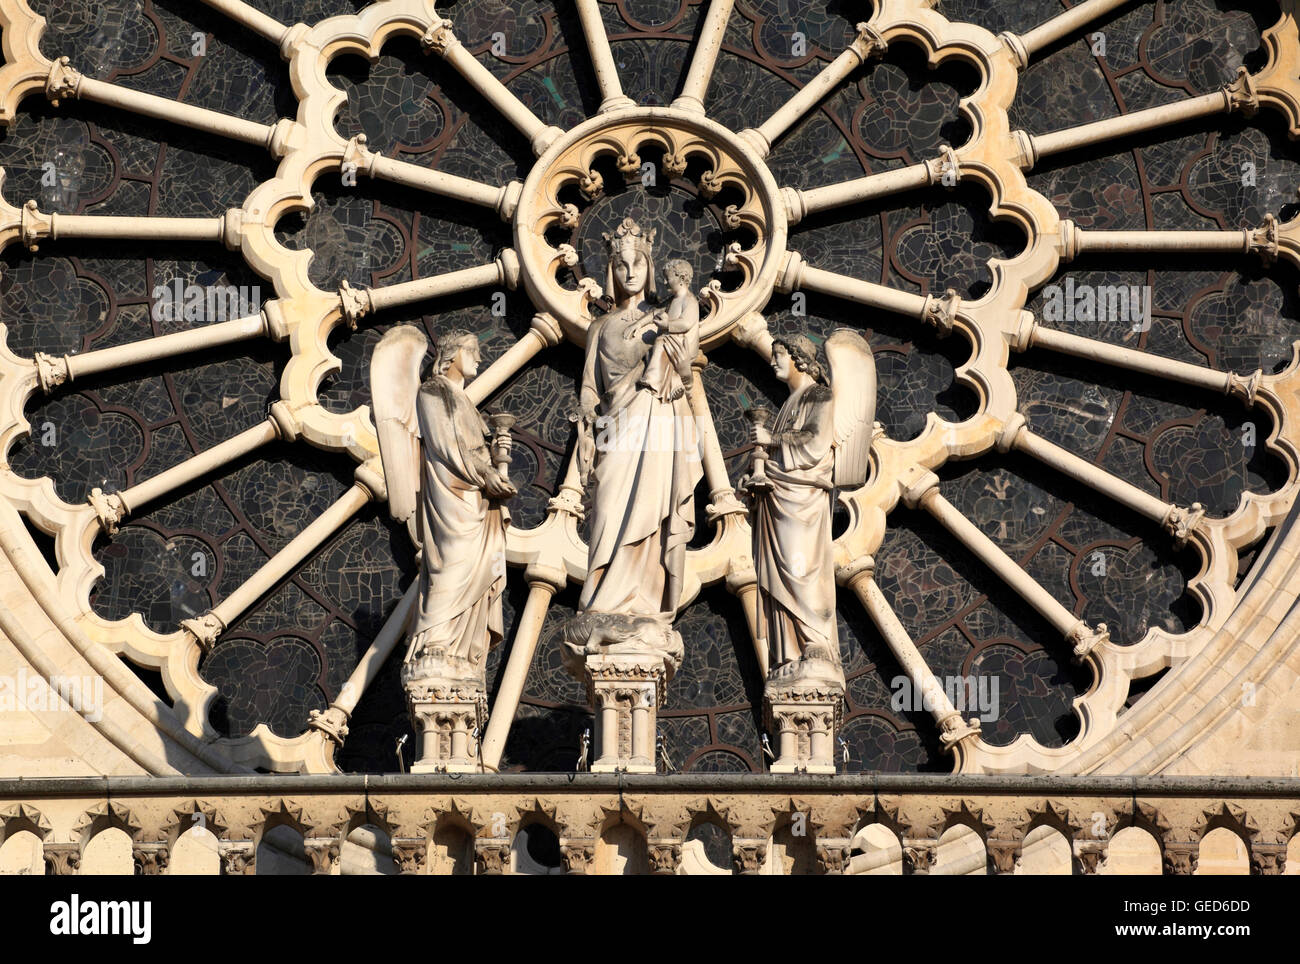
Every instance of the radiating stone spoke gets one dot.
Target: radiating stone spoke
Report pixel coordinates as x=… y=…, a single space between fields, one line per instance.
x=441 y=40
x=333 y=721
x=502 y=199
x=803 y=203
x=798 y=275
x=1266 y=241
x=358 y=303
x=30 y=226
x=958 y=735
x=722 y=496
x=1179 y=522
x=67 y=82
x=112 y=507
x=867 y=43
x=611 y=90
x=543 y=584
x=207 y=628
x=1025 y=46
x=53 y=371
x=543 y=333
x=921 y=490
x=1238 y=96
x=1033 y=334
x=705 y=56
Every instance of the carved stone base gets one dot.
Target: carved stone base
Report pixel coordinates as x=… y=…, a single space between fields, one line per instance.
x=626 y=691
x=804 y=701
x=449 y=710
x=626 y=662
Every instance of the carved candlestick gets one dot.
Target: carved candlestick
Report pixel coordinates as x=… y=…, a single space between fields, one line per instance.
x=501 y=423
x=761 y=416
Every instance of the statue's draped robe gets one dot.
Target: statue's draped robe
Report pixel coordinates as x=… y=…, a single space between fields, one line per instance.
x=647 y=465
x=793 y=555
x=462 y=571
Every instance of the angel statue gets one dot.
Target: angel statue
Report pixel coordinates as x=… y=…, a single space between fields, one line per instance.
x=442 y=482
x=819 y=441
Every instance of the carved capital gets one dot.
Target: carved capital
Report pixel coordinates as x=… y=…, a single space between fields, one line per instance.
x=945 y=169
x=370 y=476
x=150 y=859
x=751 y=332
x=569 y=501
x=1181 y=523
x=749 y=856
x=1090 y=858
x=355 y=303
x=1010 y=430
x=232 y=229
x=1267 y=860
x=285 y=422
x=1263 y=240
x=492 y=856
x=35 y=226
x=725 y=502
x=109 y=509
x=439 y=38
x=411 y=855
x=1180 y=859
x=1244 y=387
x=63 y=81
x=205 y=629
x=1005 y=855
x=919 y=857
x=1241 y=95
x=324 y=855
x=832 y=858
x=868 y=42
x=665 y=858
x=1085 y=639
x=359 y=156
x=62 y=859
x=51 y=372
x=953 y=729
x=1019 y=52
x=547 y=328
x=940 y=313
x=237 y=860
x=332 y=722
x=850 y=574
x=920 y=487
x=578 y=857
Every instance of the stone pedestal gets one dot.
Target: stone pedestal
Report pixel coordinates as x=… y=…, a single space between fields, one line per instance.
x=626 y=662
x=449 y=709
x=626 y=692
x=804 y=702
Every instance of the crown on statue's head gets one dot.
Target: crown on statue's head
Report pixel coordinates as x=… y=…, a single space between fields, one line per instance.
x=629 y=237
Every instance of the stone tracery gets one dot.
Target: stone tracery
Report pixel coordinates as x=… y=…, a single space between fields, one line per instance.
x=302 y=314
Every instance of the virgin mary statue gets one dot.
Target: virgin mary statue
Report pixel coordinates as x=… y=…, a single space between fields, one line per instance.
x=646 y=466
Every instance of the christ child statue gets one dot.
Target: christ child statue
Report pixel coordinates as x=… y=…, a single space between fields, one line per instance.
x=668 y=369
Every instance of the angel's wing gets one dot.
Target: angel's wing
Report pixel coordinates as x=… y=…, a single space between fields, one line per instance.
x=394 y=386
x=853 y=404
